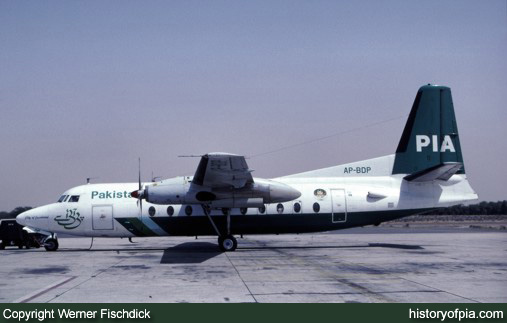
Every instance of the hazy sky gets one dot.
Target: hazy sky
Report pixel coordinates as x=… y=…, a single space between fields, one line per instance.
x=88 y=86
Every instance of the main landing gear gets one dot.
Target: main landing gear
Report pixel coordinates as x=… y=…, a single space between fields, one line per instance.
x=226 y=242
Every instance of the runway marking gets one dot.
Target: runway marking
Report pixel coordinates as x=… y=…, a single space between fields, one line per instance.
x=244 y=283
x=86 y=280
x=421 y=284
x=37 y=293
x=376 y=296
x=440 y=290
x=347 y=293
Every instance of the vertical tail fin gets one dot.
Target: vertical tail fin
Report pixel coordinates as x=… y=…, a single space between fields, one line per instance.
x=430 y=138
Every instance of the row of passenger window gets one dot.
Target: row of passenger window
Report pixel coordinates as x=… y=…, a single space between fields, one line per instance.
x=68 y=198
x=243 y=210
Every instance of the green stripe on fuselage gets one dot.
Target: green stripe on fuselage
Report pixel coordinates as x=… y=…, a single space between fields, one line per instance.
x=264 y=223
x=136 y=226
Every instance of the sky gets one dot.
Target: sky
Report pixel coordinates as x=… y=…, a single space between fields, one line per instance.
x=87 y=87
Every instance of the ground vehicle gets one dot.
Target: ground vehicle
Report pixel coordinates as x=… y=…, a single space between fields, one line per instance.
x=12 y=234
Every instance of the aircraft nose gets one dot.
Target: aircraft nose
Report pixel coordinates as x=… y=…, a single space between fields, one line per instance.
x=36 y=218
x=20 y=219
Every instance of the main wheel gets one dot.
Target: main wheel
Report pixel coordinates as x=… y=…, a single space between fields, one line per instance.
x=227 y=243
x=51 y=244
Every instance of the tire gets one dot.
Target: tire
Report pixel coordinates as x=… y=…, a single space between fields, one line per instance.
x=51 y=244
x=227 y=243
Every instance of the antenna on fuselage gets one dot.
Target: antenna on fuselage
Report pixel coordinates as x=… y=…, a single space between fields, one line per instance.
x=90 y=178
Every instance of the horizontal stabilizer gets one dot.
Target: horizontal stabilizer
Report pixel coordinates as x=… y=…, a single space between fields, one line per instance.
x=443 y=172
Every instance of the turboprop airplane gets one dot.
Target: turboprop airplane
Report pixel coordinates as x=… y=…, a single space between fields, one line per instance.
x=223 y=199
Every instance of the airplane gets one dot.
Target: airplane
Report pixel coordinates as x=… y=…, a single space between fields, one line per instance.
x=222 y=198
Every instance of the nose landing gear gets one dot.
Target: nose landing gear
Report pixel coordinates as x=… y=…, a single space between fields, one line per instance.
x=51 y=244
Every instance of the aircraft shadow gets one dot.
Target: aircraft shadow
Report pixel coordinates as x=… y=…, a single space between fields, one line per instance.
x=190 y=253
x=370 y=245
x=395 y=246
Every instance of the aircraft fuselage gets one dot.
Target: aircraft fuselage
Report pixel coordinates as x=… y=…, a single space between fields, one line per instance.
x=330 y=203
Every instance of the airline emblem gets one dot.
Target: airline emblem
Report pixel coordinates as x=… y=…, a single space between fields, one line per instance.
x=320 y=194
x=422 y=141
x=71 y=220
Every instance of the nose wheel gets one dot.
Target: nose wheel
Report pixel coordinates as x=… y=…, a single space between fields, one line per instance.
x=227 y=243
x=51 y=244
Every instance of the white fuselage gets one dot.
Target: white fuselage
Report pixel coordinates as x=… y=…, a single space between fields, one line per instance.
x=363 y=194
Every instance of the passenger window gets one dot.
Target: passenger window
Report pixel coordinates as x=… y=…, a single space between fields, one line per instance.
x=74 y=198
x=297 y=207
x=151 y=211
x=170 y=210
x=316 y=207
x=262 y=209
x=243 y=210
x=60 y=200
x=279 y=208
x=188 y=210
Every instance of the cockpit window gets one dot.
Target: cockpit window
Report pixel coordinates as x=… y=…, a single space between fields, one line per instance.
x=74 y=198
x=60 y=200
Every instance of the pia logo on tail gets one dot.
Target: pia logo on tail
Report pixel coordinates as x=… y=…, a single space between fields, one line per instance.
x=422 y=141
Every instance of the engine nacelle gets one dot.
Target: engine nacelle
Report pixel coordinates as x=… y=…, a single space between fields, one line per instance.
x=180 y=190
x=170 y=191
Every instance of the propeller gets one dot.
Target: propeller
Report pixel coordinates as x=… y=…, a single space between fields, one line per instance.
x=139 y=194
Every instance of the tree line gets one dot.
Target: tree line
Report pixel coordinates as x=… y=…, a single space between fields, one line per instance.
x=12 y=214
x=483 y=208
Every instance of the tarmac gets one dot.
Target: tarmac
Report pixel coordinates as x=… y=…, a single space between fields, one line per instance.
x=359 y=265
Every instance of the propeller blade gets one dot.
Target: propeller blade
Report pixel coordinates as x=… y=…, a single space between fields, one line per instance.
x=139 y=173
x=139 y=194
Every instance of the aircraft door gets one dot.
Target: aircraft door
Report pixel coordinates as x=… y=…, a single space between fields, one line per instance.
x=102 y=217
x=339 y=205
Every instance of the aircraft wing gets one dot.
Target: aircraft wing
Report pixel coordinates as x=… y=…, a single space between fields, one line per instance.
x=222 y=170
